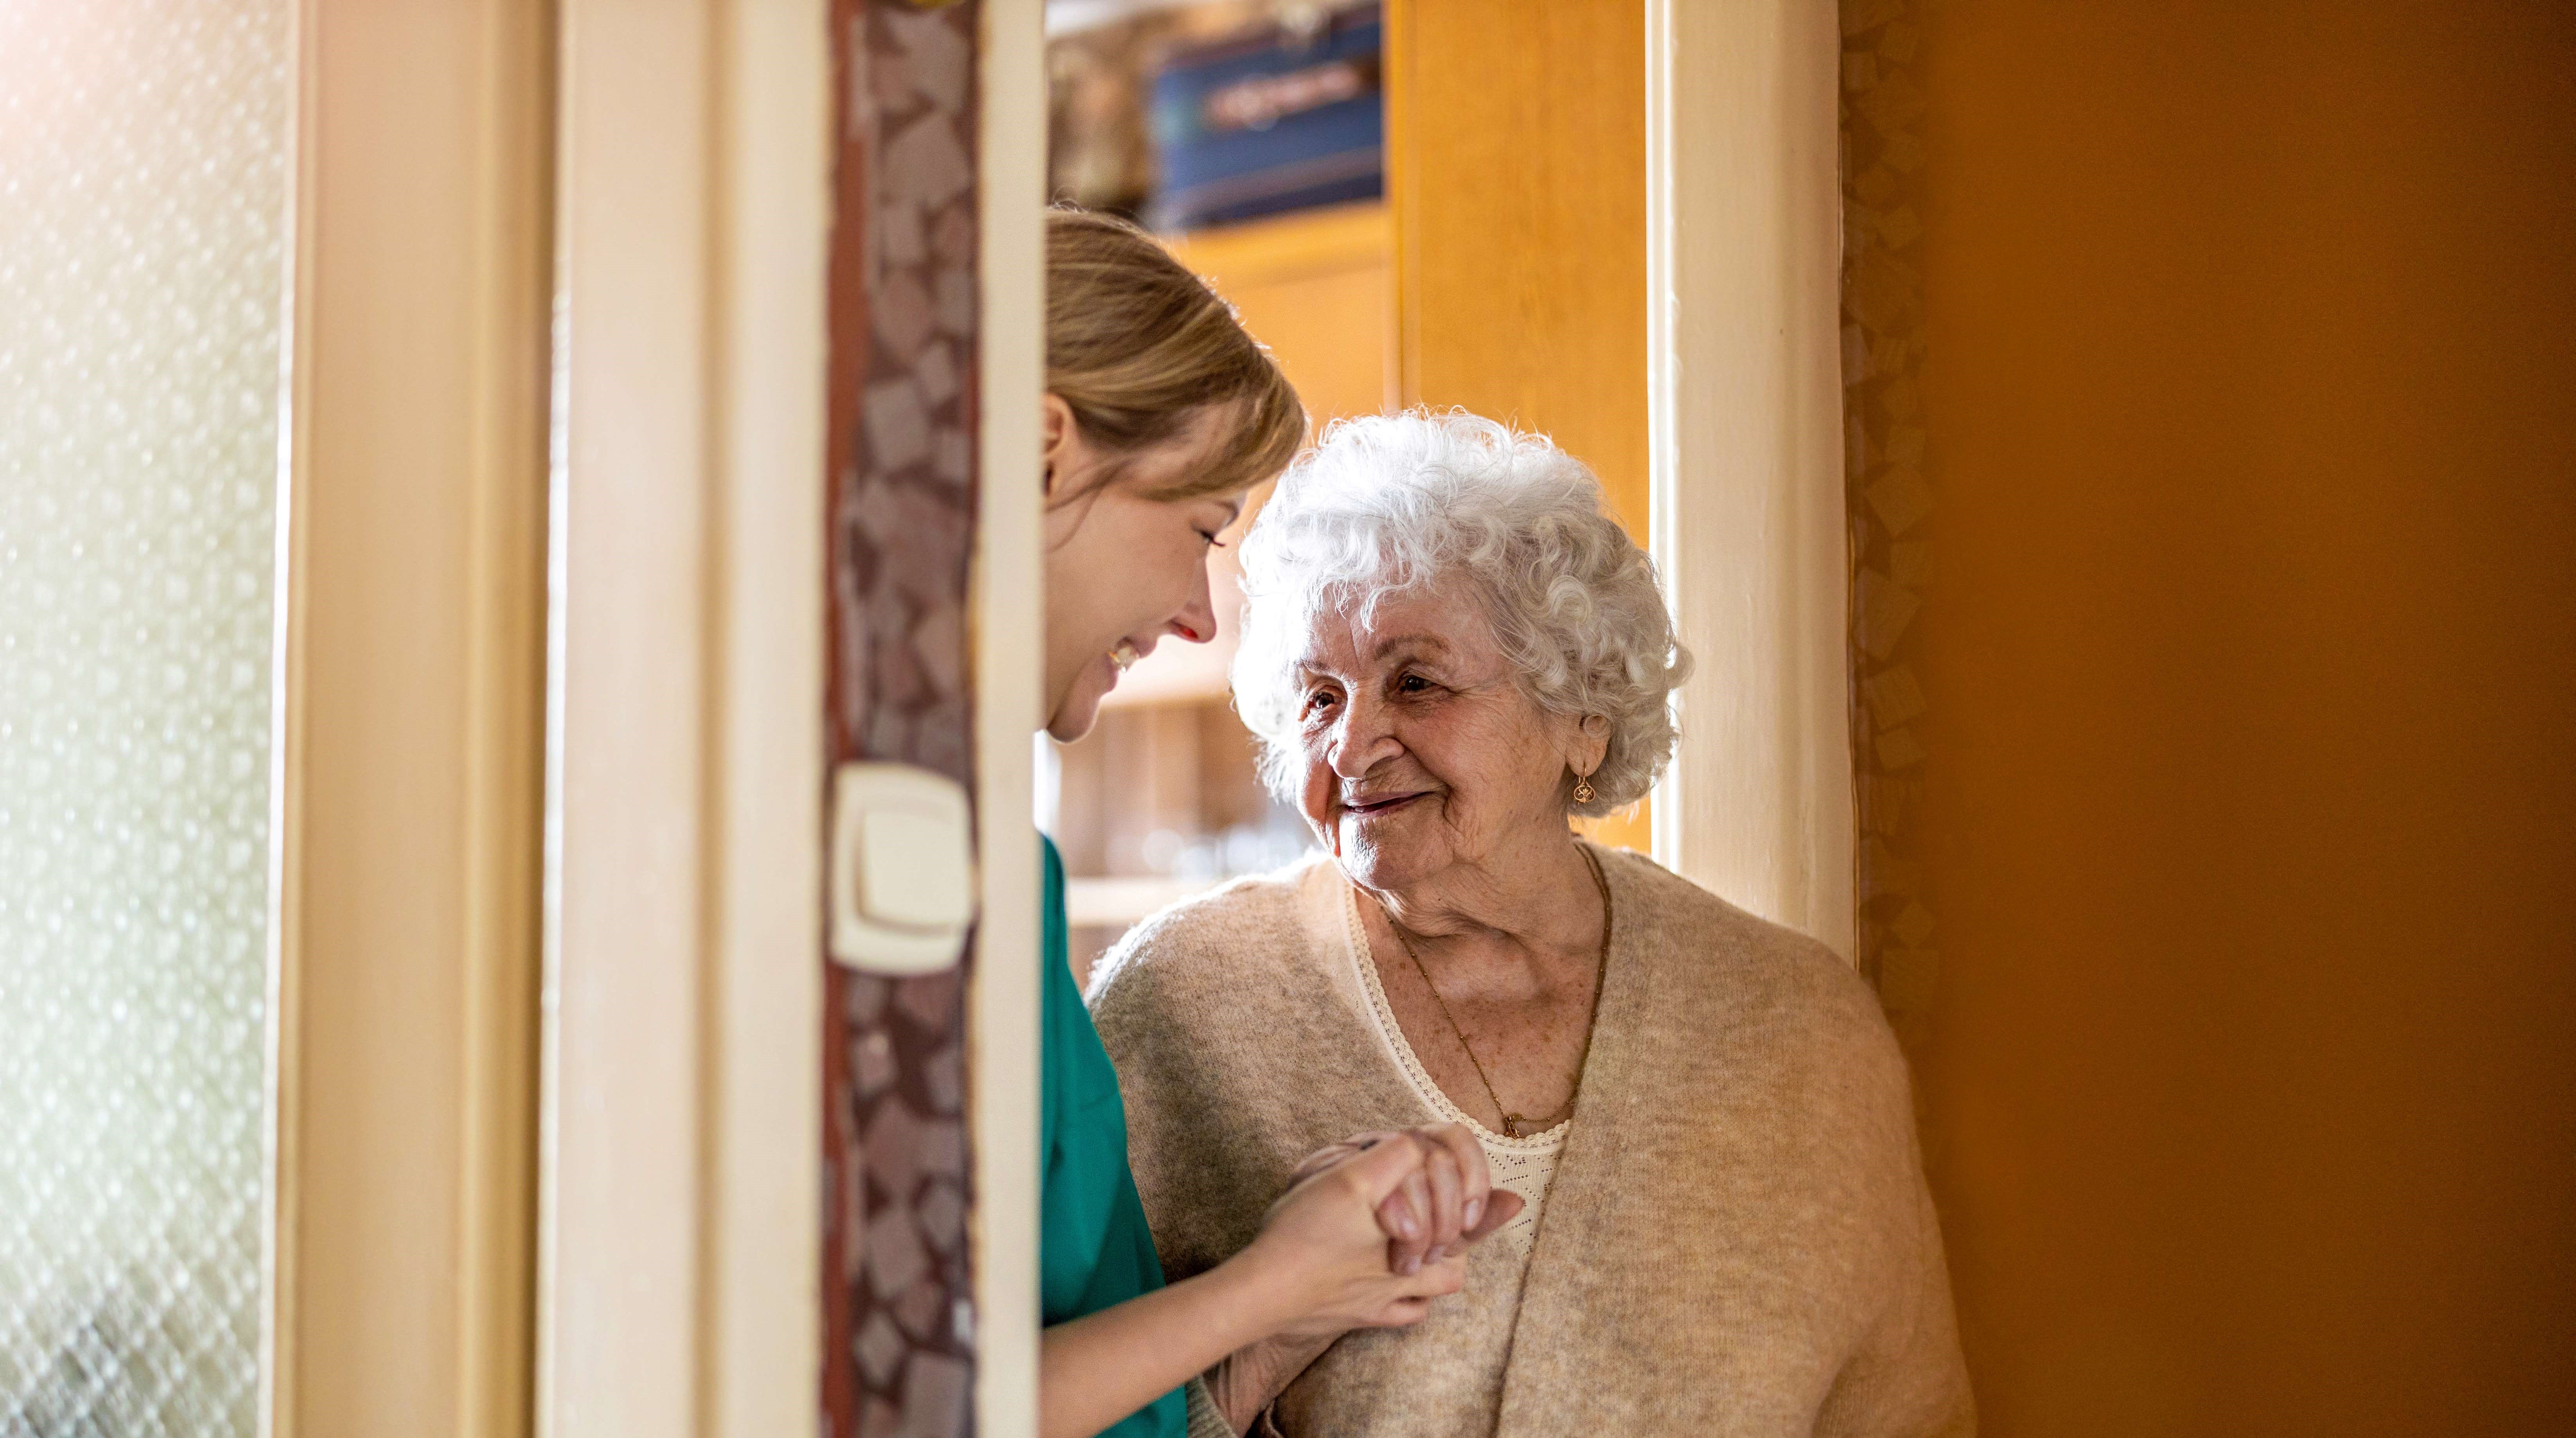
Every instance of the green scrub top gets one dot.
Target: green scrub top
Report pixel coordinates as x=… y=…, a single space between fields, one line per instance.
x=1094 y=1249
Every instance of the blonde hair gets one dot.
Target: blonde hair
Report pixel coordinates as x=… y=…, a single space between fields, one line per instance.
x=1137 y=347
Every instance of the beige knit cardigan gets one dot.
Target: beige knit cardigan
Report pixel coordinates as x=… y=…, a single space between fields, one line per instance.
x=1737 y=1239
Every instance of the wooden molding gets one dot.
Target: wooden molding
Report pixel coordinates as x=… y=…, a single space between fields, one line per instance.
x=408 y=811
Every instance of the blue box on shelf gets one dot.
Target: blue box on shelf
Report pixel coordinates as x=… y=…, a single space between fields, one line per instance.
x=1271 y=122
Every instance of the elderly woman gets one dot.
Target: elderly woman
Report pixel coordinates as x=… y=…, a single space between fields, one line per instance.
x=1448 y=650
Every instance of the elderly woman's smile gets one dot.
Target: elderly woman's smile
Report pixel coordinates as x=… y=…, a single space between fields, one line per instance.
x=1420 y=752
x=1370 y=807
x=1362 y=808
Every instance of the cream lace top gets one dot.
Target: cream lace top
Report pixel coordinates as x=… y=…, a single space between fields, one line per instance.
x=1523 y=1165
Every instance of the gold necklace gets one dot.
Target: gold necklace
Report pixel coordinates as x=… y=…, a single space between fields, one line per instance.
x=1514 y=1124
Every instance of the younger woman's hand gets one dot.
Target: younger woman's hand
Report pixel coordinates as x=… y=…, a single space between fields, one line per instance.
x=1445 y=1208
x=1324 y=1253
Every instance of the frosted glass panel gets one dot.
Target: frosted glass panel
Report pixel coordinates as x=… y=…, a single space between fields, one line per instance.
x=143 y=170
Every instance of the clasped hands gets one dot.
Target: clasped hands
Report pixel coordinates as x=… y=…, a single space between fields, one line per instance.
x=1368 y=1233
x=1383 y=1221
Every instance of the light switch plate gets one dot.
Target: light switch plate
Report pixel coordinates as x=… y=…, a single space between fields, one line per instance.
x=902 y=884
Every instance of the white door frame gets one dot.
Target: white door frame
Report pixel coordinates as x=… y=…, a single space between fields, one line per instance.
x=1745 y=407
x=1003 y=1030
x=679 y=1274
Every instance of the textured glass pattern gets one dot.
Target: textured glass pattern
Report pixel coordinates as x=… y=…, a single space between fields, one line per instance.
x=143 y=165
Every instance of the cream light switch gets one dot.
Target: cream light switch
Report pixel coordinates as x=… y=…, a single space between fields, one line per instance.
x=903 y=869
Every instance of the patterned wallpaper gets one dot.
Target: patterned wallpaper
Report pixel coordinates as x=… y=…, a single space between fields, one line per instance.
x=1891 y=491
x=899 y=1318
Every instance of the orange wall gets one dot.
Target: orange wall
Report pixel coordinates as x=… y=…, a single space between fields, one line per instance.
x=2250 y=652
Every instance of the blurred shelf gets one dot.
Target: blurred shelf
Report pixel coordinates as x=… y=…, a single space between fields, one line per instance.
x=1120 y=902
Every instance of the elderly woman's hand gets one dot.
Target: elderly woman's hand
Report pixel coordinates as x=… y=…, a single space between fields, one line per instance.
x=1324 y=1259
x=1428 y=1200
x=1443 y=1208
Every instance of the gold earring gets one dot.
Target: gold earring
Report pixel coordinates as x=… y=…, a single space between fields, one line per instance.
x=1583 y=788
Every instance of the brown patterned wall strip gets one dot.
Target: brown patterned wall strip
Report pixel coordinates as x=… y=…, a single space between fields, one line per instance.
x=899 y=1317
x=1891 y=485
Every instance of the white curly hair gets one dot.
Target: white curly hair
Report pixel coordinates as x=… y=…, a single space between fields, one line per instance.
x=1398 y=502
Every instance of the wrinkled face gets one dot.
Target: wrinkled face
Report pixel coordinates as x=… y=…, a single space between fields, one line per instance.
x=1421 y=752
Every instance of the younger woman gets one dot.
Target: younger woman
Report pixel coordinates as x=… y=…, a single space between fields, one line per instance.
x=1161 y=414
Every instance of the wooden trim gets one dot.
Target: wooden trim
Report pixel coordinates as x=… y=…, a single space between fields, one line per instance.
x=1004 y=992
x=504 y=795
x=1746 y=417
x=405 y=866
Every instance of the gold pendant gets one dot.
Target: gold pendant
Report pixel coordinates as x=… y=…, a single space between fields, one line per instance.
x=1512 y=1126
